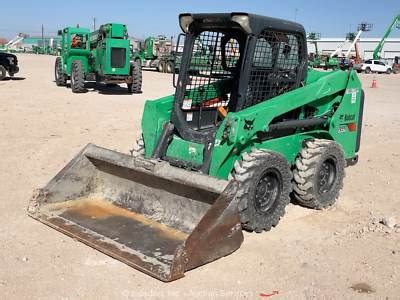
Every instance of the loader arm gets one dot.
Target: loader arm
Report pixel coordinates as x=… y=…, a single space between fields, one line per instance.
x=240 y=131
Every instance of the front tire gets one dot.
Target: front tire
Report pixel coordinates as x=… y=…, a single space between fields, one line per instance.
x=319 y=173
x=3 y=73
x=136 y=73
x=77 y=77
x=368 y=70
x=389 y=71
x=58 y=73
x=264 y=189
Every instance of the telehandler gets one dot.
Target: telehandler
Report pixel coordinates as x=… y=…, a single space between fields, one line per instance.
x=239 y=137
x=101 y=56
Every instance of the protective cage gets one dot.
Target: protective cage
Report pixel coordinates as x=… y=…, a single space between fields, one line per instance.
x=212 y=79
x=275 y=66
x=208 y=77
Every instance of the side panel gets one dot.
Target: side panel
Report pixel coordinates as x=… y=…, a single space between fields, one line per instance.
x=156 y=113
x=239 y=131
x=346 y=120
x=117 y=57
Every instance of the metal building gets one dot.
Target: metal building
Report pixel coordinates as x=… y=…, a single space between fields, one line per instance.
x=366 y=46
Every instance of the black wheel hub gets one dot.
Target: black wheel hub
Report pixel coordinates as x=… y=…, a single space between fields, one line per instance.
x=267 y=191
x=327 y=176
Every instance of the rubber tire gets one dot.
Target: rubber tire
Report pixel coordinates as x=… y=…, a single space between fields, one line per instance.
x=77 y=77
x=307 y=167
x=160 y=67
x=389 y=71
x=58 y=74
x=367 y=70
x=138 y=147
x=136 y=72
x=3 y=73
x=170 y=67
x=247 y=173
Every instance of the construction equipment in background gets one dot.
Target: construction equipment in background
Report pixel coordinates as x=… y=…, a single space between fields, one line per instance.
x=395 y=24
x=101 y=56
x=155 y=52
x=242 y=132
x=314 y=59
x=13 y=45
x=50 y=49
x=340 y=60
x=354 y=38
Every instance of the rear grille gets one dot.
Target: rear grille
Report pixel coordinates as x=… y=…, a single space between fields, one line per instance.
x=118 y=56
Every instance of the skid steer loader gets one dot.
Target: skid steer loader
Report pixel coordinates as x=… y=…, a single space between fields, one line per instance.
x=245 y=130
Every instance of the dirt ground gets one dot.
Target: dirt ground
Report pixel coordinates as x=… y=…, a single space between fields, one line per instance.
x=310 y=255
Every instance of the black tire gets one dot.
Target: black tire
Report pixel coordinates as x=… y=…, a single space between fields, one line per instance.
x=264 y=189
x=160 y=67
x=77 y=77
x=170 y=67
x=58 y=73
x=138 y=147
x=3 y=73
x=318 y=174
x=389 y=71
x=136 y=73
x=368 y=70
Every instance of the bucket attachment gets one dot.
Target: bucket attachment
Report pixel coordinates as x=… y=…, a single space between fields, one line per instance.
x=154 y=217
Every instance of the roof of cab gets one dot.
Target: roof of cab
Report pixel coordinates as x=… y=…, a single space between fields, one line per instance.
x=257 y=23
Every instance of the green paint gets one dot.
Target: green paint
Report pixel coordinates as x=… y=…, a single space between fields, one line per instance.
x=95 y=50
x=322 y=91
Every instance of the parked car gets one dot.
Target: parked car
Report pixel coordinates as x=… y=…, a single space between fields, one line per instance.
x=375 y=66
x=8 y=63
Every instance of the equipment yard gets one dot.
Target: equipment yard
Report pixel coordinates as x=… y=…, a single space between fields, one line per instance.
x=350 y=251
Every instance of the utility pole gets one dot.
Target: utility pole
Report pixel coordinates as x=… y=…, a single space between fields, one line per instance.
x=43 y=36
x=94 y=24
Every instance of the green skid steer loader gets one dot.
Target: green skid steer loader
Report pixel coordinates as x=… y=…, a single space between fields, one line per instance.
x=100 y=56
x=240 y=137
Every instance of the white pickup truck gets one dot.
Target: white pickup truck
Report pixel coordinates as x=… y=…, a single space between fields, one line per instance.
x=375 y=66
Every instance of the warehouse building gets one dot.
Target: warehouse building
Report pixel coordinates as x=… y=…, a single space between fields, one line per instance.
x=366 y=46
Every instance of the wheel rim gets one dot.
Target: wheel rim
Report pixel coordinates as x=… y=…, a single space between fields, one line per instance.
x=327 y=176
x=268 y=190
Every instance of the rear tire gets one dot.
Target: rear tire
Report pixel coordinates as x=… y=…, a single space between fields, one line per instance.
x=77 y=77
x=136 y=73
x=368 y=70
x=319 y=173
x=389 y=71
x=169 y=67
x=264 y=189
x=160 y=67
x=3 y=73
x=58 y=73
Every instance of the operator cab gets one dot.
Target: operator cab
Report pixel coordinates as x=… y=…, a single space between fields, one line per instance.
x=231 y=62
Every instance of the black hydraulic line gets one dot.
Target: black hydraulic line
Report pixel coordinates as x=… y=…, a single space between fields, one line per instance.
x=297 y=124
x=161 y=147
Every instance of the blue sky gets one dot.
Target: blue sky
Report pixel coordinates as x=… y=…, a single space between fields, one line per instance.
x=330 y=18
